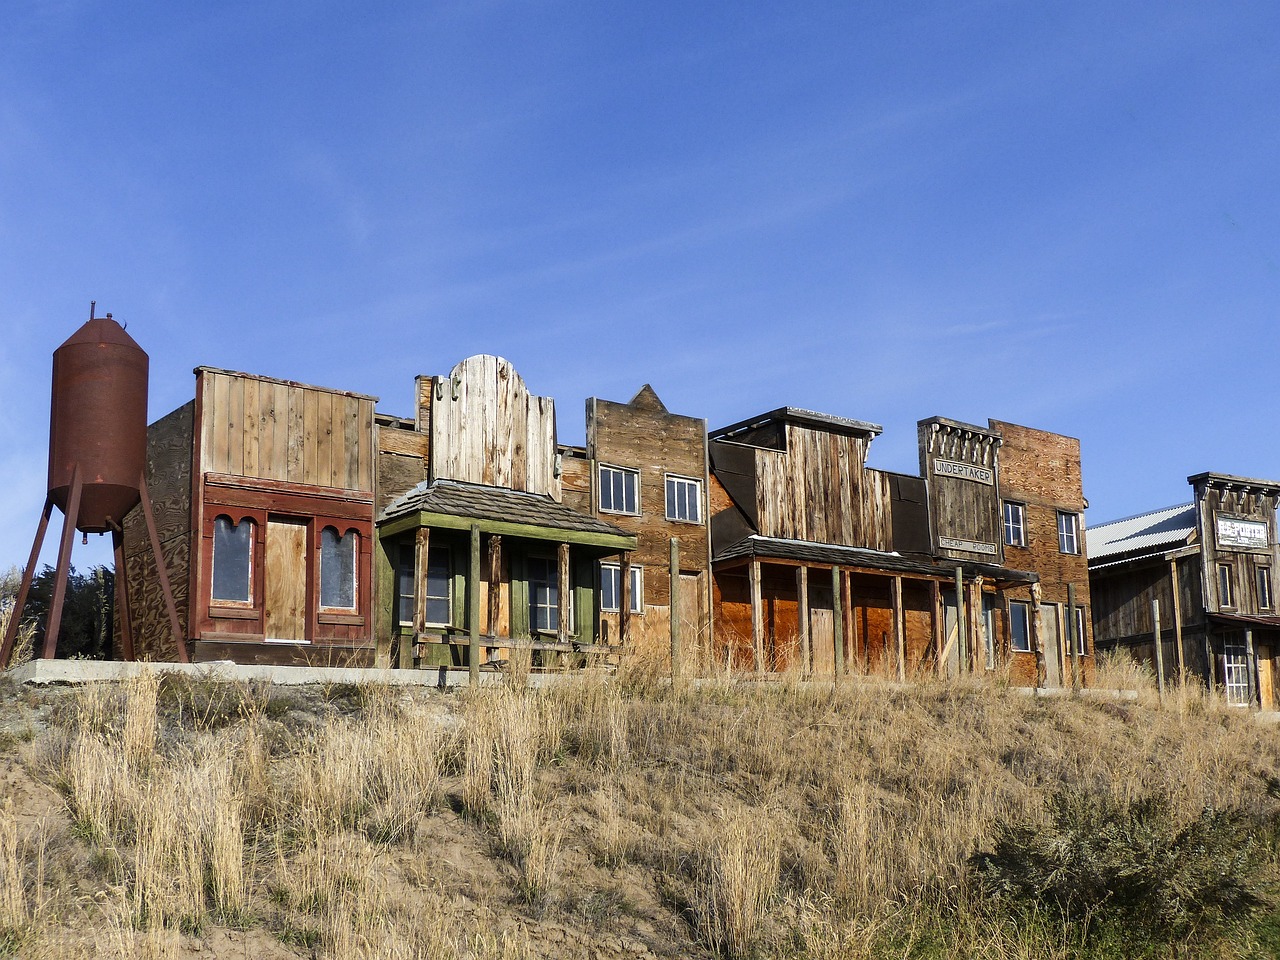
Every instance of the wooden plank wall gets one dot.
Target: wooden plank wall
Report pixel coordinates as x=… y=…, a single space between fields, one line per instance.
x=275 y=430
x=169 y=480
x=487 y=428
x=819 y=490
x=1215 y=500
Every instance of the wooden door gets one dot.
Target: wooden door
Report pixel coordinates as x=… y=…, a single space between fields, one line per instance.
x=1051 y=643
x=285 y=580
x=692 y=622
x=822 y=632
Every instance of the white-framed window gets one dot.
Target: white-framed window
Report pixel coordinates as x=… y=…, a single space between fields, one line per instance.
x=1226 y=595
x=437 y=584
x=1235 y=662
x=1264 y=588
x=1015 y=524
x=338 y=569
x=1020 y=626
x=1068 y=532
x=232 y=579
x=405 y=576
x=544 y=595
x=619 y=490
x=989 y=629
x=684 y=499
x=611 y=588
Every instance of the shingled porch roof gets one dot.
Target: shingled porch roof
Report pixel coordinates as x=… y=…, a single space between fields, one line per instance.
x=453 y=505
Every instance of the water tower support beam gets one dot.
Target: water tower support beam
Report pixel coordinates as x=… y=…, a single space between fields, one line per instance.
x=122 y=597
x=15 y=617
x=162 y=568
x=54 y=623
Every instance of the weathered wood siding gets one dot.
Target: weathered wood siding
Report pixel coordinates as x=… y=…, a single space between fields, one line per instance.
x=962 y=509
x=169 y=453
x=1215 y=500
x=818 y=489
x=486 y=427
x=403 y=456
x=266 y=429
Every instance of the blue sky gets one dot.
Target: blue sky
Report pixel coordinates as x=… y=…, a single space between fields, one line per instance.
x=1055 y=214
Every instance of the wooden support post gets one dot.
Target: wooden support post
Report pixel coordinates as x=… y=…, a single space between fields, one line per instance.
x=473 y=609
x=1036 y=626
x=54 y=621
x=1180 y=656
x=1073 y=643
x=122 y=596
x=1209 y=678
x=15 y=615
x=1159 y=645
x=802 y=618
x=624 y=600
x=899 y=633
x=837 y=625
x=421 y=563
x=162 y=569
x=563 y=589
x=935 y=621
x=674 y=573
x=495 y=584
x=961 y=639
x=1251 y=665
x=757 y=615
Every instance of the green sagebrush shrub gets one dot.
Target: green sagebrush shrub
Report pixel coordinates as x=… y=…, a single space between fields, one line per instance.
x=1097 y=860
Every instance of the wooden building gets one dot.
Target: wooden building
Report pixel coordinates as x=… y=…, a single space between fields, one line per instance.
x=644 y=469
x=1199 y=579
x=264 y=491
x=823 y=564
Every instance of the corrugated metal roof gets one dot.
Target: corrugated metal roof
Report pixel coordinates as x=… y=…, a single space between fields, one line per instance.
x=494 y=503
x=1150 y=532
x=838 y=555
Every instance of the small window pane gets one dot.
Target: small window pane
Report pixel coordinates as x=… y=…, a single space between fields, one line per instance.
x=1014 y=525
x=404 y=585
x=1067 y=538
x=1019 y=627
x=619 y=490
x=684 y=499
x=611 y=588
x=544 y=595
x=232 y=549
x=439 y=586
x=338 y=569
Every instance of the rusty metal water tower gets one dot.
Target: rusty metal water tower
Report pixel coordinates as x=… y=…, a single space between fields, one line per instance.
x=97 y=469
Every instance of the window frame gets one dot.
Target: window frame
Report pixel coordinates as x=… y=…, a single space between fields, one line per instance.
x=678 y=479
x=354 y=606
x=552 y=583
x=1021 y=509
x=250 y=600
x=1226 y=585
x=1082 y=648
x=614 y=570
x=424 y=577
x=601 y=487
x=1263 y=585
x=1073 y=522
x=1025 y=607
x=406 y=568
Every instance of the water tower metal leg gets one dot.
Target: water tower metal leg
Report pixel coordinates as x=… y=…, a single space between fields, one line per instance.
x=15 y=617
x=54 y=623
x=122 y=596
x=163 y=570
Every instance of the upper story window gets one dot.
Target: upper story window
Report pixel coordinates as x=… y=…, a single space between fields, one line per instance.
x=232 y=561
x=611 y=588
x=1264 y=588
x=1068 y=532
x=1226 y=594
x=619 y=490
x=1015 y=524
x=1020 y=626
x=338 y=569
x=684 y=499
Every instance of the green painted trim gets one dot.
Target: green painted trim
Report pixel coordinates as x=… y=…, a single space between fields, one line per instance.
x=620 y=541
x=584 y=598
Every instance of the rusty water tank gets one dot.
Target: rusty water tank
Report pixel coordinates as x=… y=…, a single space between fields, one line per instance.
x=98 y=421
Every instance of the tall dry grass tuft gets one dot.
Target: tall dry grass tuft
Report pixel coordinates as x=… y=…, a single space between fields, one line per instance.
x=23 y=899
x=594 y=713
x=739 y=882
x=138 y=738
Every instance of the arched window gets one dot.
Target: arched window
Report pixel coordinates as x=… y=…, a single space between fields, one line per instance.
x=232 y=560
x=338 y=569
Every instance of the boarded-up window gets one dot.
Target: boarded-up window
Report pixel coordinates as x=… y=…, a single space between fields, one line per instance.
x=338 y=569
x=232 y=560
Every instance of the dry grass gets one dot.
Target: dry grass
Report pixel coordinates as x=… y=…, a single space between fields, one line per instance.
x=770 y=820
